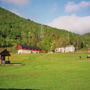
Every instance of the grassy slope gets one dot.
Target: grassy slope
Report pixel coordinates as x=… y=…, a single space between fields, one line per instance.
x=47 y=71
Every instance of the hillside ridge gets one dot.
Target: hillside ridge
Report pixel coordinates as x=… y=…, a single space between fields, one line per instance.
x=17 y=30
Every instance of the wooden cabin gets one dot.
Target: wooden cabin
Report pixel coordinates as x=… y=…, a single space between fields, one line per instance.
x=3 y=54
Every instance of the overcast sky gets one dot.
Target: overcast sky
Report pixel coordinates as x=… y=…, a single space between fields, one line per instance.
x=73 y=15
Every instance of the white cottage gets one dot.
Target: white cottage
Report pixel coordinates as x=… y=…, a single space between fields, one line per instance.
x=61 y=50
x=70 y=48
x=66 y=49
x=28 y=49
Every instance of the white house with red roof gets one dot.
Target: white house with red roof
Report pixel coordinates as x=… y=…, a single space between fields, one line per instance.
x=27 y=49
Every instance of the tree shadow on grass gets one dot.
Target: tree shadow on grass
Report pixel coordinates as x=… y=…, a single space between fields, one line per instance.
x=17 y=89
x=12 y=64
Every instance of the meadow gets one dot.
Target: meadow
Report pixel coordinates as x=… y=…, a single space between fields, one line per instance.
x=47 y=72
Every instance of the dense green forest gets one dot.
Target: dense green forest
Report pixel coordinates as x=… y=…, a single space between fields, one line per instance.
x=17 y=30
x=87 y=37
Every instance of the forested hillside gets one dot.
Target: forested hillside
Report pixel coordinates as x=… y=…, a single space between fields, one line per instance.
x=17 y=30
x=87 y=37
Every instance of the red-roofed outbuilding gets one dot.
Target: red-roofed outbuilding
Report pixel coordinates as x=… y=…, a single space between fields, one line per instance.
x=27 y=49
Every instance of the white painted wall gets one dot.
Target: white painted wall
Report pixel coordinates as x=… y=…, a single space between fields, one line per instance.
x=59 y=50
x=70 y=48
x=26 y=51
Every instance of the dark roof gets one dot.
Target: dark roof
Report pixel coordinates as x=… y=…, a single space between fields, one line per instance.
x=5 y=52
x=30 y=47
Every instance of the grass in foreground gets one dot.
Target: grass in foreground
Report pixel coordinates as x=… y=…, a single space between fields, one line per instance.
x=47 y=72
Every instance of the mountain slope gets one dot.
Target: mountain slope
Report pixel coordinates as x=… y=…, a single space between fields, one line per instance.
x=16 y=30
x=87 y=37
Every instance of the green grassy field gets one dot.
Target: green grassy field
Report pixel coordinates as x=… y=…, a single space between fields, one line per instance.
x=47 y=72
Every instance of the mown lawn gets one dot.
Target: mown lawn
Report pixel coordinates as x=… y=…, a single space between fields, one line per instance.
x=47 y=72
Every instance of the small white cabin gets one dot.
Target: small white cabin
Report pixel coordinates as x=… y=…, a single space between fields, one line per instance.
x=70 y=48
x=66 y=49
